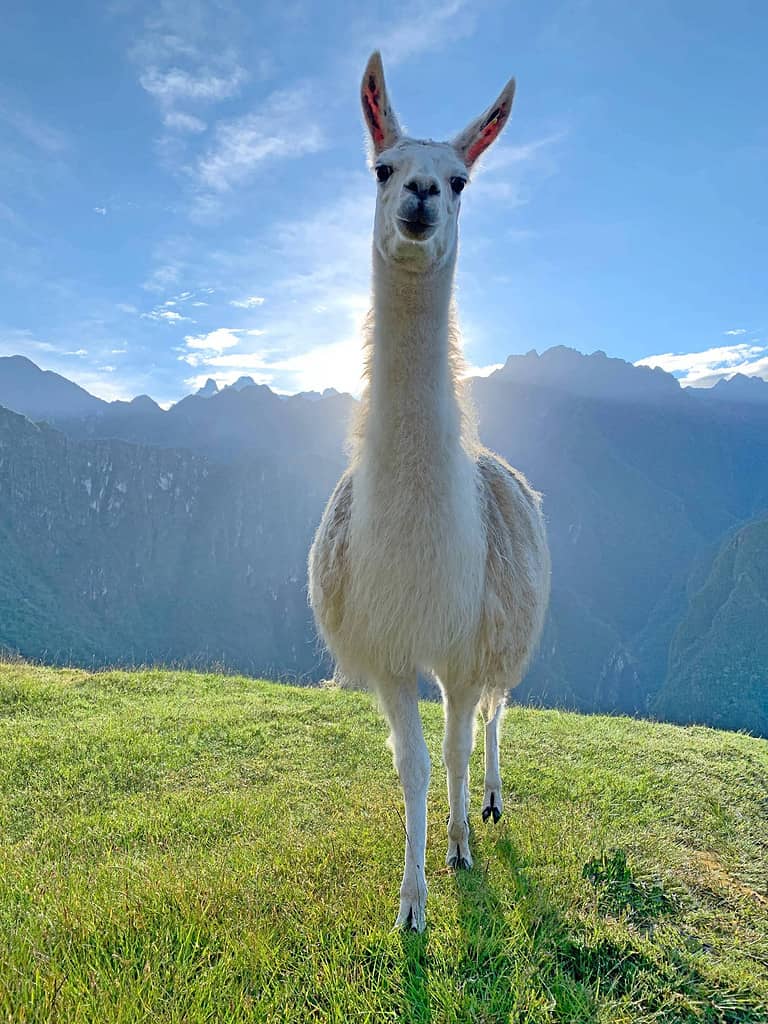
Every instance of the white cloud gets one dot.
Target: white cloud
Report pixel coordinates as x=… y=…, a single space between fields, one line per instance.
x=100 y=210
x=17 y=342
x=482 y=371
x=249 y=303
x=175 y=84
x=337 y=365
x=702 y=369
x=285 y=127
x=163 y=277
x=500 y=174
x=181 y=122
x=170 y=316
x=215 y=341
x=426 y=26
x=737 y=330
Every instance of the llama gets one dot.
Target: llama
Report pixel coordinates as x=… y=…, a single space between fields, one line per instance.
x=431 y=554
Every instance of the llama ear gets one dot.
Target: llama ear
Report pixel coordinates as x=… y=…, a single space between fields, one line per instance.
x=379 y=116
x=478 y=136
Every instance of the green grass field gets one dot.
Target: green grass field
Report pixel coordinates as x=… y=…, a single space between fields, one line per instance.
x=188 y=848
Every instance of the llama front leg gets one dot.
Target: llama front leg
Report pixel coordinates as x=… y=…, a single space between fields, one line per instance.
x=457 y=747
x=399 y=702
x=493 y=804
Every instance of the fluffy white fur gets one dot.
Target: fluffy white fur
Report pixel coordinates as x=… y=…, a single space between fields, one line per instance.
x=431 y=555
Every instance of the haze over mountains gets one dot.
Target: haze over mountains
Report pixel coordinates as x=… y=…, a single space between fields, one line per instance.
x=134 y=534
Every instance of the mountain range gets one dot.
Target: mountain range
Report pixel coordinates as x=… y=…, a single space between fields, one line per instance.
x=135 y=534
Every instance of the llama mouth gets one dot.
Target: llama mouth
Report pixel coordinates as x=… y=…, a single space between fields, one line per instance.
x=416 y=230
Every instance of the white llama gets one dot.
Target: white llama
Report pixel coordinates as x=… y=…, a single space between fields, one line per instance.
x=431 y=554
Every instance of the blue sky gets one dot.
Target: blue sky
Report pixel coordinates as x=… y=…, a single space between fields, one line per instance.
x=183 y=188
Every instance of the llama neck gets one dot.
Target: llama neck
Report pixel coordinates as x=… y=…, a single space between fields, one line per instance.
x=413 y=403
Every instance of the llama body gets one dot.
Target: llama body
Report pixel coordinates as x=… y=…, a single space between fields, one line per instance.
x=431 y=555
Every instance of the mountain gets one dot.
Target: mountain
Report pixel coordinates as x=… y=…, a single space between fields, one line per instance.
x=224 y=425
x=718 y=662
x=42 y=394
x=209 y=388
x=115 y=553
x=643 y=483
x=242 y=382
x=741 y=388
x=591 y=376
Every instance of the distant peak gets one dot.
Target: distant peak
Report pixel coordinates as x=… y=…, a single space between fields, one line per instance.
x=20 y=361
x=741 y=387
x=597 y=375
x=42 y=394
x=144 y=400
x=240 y=383
x=208 y=389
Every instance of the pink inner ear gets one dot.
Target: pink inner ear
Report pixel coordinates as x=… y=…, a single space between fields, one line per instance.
x=373 y=110
x=488 y=133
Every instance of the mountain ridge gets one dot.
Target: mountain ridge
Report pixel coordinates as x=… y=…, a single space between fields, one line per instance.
x=639 y=493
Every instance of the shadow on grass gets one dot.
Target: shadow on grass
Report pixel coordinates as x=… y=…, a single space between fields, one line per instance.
x=415 y=978
x=504 y=958
x=524 y=962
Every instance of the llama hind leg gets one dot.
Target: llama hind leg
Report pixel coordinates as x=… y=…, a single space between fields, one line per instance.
x=399 y=702
x=457 y=747
x=493 y=804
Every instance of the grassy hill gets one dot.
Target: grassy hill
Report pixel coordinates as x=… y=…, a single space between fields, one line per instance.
x=186 y=848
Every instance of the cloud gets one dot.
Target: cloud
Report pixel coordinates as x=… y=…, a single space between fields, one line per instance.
x=501 y=172
x=482 y=371
x=737 y=330
x=168 y=87
x=426 y=26
x=316 y=307
x=181 y=122
x=337 y=365
x=164 y=276
x=14 y=341
x=101 y=210
x=213 y=343
x=702 y=369
x=43 y=136
x=285 y=127
x=250 y=303
x=169 y=316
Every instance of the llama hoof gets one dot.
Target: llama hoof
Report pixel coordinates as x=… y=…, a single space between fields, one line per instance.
x=491 y=811
x=412 y=916
x=492 y=805
x=459 y=861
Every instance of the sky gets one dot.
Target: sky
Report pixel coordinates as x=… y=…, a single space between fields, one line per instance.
x=184 y=191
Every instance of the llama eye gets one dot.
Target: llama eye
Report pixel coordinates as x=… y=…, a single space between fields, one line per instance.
x=383 y=171
x=457 y=184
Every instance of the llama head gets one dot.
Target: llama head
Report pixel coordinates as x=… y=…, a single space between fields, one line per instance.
x=419 y=182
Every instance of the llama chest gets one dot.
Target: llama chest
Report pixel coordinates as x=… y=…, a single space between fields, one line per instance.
x=416 y=566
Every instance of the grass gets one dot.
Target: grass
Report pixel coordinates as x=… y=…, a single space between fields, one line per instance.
x=186 y=848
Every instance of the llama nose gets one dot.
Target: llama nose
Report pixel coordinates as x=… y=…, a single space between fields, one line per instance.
x=423 y=187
